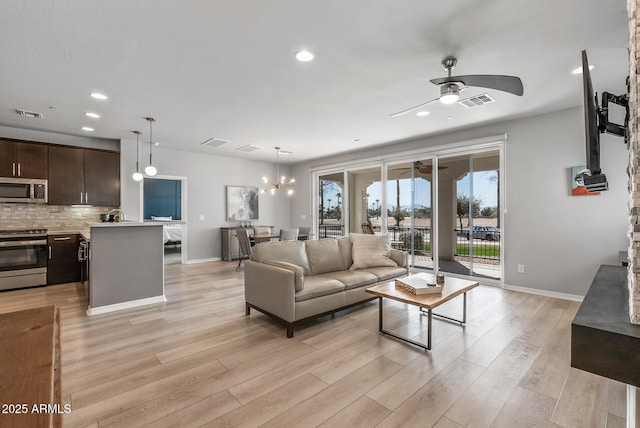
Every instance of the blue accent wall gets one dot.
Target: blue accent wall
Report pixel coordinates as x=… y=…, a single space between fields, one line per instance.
x=162 y=198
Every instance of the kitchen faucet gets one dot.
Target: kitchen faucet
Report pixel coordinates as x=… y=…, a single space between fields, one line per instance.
x=118 y=215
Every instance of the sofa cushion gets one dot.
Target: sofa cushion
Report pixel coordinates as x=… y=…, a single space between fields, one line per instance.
x=298 y=272
x=284 y=251
x=352 y=278
x=370 y=251
x=324 y=256
x=386 y=272
x=316 y=286
x=345 y=249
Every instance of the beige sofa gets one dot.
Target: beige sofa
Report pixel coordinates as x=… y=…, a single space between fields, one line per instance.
x=294 y=281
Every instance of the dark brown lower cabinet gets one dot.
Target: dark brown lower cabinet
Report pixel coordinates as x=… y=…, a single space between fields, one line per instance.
x=63 y=263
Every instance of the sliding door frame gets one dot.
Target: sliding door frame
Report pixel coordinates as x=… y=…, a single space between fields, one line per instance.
x=470 y=147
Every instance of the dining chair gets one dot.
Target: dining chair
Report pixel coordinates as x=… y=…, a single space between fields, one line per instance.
x=304 y=233
x=245 y=245
x=262 y=230
x=288 y=234
x=367 y=228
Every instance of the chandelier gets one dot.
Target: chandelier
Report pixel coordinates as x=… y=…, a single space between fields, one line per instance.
x=273 y=187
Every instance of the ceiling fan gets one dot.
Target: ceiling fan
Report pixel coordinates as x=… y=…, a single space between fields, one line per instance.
x=451 y=86
x=422 y=168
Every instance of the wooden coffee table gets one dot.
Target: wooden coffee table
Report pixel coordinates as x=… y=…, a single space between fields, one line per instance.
x=452 y=288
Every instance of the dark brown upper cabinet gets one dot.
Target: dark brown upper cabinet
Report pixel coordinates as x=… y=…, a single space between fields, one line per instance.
x=23 y=160
x=83 y=176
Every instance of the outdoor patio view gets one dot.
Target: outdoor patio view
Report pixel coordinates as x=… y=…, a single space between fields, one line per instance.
x=468 y=195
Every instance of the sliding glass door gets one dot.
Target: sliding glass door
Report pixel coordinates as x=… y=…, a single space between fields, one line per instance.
x=330 y=205
x=469 y=234
x=409 y=199
x=446 y=218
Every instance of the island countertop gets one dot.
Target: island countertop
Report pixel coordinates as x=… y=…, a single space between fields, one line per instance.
x=123 y=224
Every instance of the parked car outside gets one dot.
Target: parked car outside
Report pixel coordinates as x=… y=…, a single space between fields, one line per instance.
x=488 y=233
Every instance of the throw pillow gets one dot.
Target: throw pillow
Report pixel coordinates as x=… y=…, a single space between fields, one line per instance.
x=370 y=251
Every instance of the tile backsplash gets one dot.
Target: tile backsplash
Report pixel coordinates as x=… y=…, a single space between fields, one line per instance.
x=27 y=216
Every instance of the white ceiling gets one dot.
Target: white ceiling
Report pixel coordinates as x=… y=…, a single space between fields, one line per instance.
x=225 y=68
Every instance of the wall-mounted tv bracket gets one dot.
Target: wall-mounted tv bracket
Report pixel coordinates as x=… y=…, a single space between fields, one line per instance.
x=603 y=115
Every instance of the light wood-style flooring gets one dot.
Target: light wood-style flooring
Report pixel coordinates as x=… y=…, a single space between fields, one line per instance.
x=199 y=361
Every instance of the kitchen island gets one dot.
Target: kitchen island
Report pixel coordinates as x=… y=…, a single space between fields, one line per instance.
x=126 y=266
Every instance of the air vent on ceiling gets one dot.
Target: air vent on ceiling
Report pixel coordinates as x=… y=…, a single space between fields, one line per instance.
x=477 y=101
x=215 y=142
x=27 y=113
x=248 y=148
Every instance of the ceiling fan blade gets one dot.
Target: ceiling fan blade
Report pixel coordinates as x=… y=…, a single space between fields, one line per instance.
x=409 y=110
x=510 y=84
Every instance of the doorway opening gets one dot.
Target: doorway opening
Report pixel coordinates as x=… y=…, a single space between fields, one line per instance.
x=163 y=201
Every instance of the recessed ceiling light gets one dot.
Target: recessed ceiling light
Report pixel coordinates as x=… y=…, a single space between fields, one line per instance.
x=304 y=56
x=357 y=140
x=422 y=113
x=579 y=69
x=93 y=115
x=156 y=143
x=450 y=118
x=285 y=152
x=88 y=129
x=99 y=96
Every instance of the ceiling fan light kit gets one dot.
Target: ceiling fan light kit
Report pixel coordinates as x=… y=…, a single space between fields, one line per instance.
x=449 y=93
x=451 y=86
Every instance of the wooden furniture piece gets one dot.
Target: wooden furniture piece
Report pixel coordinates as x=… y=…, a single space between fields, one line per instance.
x=63 y=265
x=452 y=287
x=30 y=366
x=229 y=239
x=83 y=176
x=367 y=228
x=22 y=159
x=230 y=244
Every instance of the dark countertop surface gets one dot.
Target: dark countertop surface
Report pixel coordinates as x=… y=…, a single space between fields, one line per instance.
x=603 y=340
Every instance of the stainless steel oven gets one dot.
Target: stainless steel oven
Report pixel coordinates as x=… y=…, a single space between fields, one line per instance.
x=23 y=258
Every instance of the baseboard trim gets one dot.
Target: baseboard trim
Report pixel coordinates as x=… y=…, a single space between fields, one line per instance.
x=546 y=293
x=195 y=261
x=125 y=305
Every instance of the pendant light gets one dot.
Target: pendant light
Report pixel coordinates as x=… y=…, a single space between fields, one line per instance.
x=137 y=176
x=150 y=170
x=279 y=182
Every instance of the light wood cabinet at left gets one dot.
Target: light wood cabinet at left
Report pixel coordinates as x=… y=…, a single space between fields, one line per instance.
x=23 y=160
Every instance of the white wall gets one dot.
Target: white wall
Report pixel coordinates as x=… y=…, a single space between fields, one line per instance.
x=561 y=239
x=207 y=176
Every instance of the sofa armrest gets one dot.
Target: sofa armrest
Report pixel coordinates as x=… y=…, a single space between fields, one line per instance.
x=298 y=272
x=400 y=257
x=271 y=288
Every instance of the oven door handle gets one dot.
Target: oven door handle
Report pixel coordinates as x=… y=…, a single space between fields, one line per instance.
x=5 y=244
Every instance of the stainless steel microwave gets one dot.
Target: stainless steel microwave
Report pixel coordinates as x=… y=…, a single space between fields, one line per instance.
x=24 y=190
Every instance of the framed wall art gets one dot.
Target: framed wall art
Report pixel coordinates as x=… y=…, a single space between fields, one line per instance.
x=242 y=203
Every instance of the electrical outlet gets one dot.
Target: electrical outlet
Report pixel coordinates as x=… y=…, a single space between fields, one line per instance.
x=201 y=217
x=303 y=217
x=520 y=268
